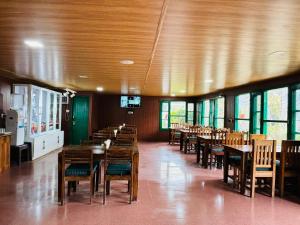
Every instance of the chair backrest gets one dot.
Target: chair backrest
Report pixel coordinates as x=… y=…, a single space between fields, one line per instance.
x=256 y=137
x=126 y=139
x=234 y=139
x=218 y=137
x=70 y=156
x=91 y=142
x=118 y=154
x=264 y=154
x=205 y=131
x=290 y=154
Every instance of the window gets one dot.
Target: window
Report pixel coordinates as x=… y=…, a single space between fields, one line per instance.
x=219 y=112
x=211 y=112
x=296 y=114
x=205 y=113
x=242 y=112
x=198 y=113
x=172 y=112
x=276 y=113
x=164 y=115
x=190 y=113
x=256 y=113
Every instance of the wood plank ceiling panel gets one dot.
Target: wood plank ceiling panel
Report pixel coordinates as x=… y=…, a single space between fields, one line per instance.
x=188 y=47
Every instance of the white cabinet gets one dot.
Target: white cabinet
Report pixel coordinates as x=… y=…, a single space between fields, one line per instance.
x=43 y=124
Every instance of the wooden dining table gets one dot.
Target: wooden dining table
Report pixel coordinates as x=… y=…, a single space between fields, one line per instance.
x=203 y=139
x=242 y=151
x=183 y=135
x=98 y=154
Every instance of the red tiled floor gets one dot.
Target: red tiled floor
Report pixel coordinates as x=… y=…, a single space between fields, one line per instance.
x=172 y=190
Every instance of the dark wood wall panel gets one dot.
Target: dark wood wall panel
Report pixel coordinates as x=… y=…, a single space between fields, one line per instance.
x=5 y=90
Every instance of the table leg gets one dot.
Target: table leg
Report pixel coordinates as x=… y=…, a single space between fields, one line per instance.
x=181 y=140
x=243 y=175
x=135 y=182
x=59 y=180
x=205 y=156
x=198 y=151
x=226 y=167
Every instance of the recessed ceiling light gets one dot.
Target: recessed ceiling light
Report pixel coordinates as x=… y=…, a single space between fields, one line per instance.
x=132 y=88
x=83 y=77
x=99 y=89
x=127 y=62
x=173 y=95
x=209 y=81
x=33 y=43
x=182 y=91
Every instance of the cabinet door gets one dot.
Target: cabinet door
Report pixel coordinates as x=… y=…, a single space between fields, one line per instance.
x=35 y=110
x=44 y=111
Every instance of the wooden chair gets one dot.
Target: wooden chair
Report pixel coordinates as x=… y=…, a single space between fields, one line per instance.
x=216 y=147
x=256 y=137
x=263 y=164
x=190 y=141
x=118 y=163
x=100 y=136
x=289 y=165
x=174 y=133
x=125 y=139
x=77 y=166
x=234 y=162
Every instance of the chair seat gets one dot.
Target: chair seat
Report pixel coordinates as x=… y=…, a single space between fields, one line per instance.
x=234 y=160
x=119 y=169
x=80 y=169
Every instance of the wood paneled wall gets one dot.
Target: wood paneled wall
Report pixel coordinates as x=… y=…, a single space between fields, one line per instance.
x=5 y=90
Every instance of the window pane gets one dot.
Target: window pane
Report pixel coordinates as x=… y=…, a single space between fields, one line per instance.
x=297 y=122
x=165 y=107
x=219 y=123
x=276 y=104
x=206 y=122
x=190 y=106
x=297 y=137
x=243 y=106
x=297 y=106
x=164 y=124
x=178 y=108
x=220 y=107
x=206 y=108
x=190 y=116
x=276 y=131
x=177 y=119
x=242 y=125
x=164 y=115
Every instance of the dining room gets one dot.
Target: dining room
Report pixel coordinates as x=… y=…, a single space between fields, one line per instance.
x=150 y=112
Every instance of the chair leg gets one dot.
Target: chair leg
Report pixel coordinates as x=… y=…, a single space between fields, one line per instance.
x=69 y=187
x=210 y=163
x=108 y=187
x=20 y=157
x=62 y=196
x=91 y=188
x=97 y=179
x=104 y=190
x=252 y=191
x=281 y=186
x=273 y=186
x=130 y=191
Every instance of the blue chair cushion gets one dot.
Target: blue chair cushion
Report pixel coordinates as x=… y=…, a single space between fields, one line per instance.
x=119 y=169
x=80 y=169
x=235 y=159
x=218 y=149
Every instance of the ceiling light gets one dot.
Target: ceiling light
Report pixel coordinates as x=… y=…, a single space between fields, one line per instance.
x=99 y=89
x=33 y=44
x=209 y=81
x=173 y=95
x=132 y=88
x=127 y=62
x=182 y=91
x=72 y=95
x=83 y=76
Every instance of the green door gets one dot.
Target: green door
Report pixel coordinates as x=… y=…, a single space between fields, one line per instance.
x=80 y=119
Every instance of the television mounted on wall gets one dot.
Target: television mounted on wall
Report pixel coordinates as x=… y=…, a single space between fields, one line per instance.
x=130 y=101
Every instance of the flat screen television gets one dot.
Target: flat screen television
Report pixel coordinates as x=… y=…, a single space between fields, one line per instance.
x=130 y=101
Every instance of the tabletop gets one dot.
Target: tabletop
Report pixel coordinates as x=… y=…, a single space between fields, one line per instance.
x=247 y=148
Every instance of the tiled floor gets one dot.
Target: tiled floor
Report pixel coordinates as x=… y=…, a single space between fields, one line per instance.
x=172 y=190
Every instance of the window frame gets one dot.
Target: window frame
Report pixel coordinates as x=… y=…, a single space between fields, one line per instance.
x=264 y=111
x=169 y=112
x=236 y=111
x=216 y=110
x=203 y=117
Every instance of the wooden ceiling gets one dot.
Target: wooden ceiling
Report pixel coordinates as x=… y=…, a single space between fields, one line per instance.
x=188 y=47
